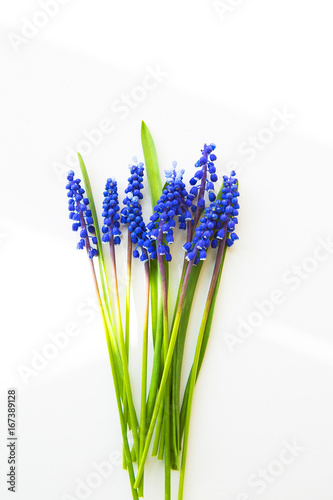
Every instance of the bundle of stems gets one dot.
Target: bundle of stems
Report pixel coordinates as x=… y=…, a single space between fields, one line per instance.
x=162 y=422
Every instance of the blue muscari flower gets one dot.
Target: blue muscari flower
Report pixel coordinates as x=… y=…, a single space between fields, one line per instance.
x=174 y=202
x=131 y=214
x=110 y=229
x=218 y=222
x=80 y=214
x=206 y=174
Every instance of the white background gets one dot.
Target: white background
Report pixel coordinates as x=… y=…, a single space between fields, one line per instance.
x=225 y=76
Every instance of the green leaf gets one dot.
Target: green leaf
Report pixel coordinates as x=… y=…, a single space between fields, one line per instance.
x=151 y=163
x=155 y=189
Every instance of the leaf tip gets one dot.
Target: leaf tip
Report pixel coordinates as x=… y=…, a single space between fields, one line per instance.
x=144 y=127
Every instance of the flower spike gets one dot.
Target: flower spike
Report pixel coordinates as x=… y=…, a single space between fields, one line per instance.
x=174 y=201
x=205 y=166
x=131 y=214
x=111 y=225
x=218 y=222
x=81 y=216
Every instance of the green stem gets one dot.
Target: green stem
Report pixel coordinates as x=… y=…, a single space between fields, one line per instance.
x=154 y=284
x=165 y=375
x=203 y=347
x=175 y=410
x=144 y=373
x=127 y=321
x=128 y=291
x=167 y=467
x=188 y=239
x=132 y=415
x=156 y=371
x=117 y=391
x=158 y=436
x=167 y=462
x=196 y=361
x=162 y=437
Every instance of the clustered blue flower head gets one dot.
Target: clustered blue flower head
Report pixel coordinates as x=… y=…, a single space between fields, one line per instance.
x=173 y=202
x=205 y=166
x=131 y=214
x=81 y=216
x=110 y=229
x=218 y=222
x=230 y=203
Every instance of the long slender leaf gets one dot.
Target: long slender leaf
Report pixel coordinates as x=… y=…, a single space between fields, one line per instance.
x=155 y=189
x=151 y=163
x=96 y=225
x=101 y=265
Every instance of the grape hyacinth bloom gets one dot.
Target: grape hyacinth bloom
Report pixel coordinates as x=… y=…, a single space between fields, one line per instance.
x=218 y=222
x=110 y=229
x=81 y=216
x=210 y=221
x=131 y=214
x=205 y=166
x=173 y=202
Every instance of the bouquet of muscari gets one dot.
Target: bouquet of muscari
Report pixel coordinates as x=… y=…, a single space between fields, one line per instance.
x=208 y=222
